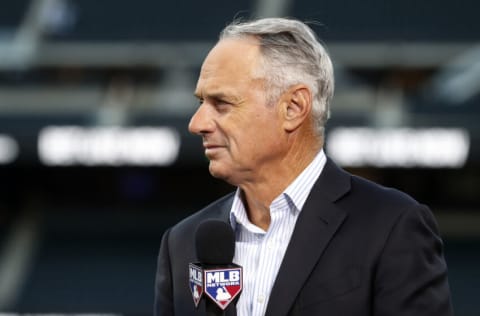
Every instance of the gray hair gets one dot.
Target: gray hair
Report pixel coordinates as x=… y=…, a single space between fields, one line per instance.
x=291 y=55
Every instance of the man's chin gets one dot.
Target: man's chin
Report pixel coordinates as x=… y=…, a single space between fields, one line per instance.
x=218 y=171
x=215 y=170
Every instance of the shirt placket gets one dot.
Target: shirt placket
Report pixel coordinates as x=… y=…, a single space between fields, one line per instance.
x=267 y=261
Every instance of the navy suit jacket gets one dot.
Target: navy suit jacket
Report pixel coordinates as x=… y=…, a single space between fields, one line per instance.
x=357 y=249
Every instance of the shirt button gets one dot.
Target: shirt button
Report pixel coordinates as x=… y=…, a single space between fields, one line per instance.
x=261 y=298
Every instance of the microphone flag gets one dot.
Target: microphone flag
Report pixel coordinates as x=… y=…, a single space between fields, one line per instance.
x=196 y=282
x=221 y=284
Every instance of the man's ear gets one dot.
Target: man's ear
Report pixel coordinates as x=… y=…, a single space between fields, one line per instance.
x=297 y=106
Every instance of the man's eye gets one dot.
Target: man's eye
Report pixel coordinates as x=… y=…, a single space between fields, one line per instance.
x=222 y=106
x=221 y=102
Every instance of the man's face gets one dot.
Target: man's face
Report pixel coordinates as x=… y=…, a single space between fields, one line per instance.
x=241 y=133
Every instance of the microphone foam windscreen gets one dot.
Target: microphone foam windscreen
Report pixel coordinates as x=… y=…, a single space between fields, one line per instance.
x=215 y=242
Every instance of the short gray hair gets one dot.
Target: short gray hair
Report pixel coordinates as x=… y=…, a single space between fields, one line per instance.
x=291 y=55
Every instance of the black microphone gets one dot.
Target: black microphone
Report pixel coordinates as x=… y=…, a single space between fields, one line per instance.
x=215 y=277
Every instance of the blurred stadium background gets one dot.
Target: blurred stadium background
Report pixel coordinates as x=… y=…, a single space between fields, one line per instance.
x=96 y=160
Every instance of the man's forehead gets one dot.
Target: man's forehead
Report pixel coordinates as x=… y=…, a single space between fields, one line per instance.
x=231 y=61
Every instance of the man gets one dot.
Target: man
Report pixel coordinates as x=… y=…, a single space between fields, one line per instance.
x=312 y=239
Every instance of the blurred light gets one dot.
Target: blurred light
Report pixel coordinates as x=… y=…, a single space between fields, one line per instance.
x=108 y=146
x=58 y=16
x=399 y=147
x=8 y=149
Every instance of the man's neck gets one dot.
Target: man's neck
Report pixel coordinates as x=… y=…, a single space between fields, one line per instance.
x=258 y=194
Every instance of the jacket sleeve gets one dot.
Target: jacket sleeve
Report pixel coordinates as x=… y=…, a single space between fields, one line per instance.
x=411 y=276
x=163 y=305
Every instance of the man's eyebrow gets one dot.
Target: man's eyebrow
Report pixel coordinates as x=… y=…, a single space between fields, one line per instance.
x=216 y=96
x=219 y=96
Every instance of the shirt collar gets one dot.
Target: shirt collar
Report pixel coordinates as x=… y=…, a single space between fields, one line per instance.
x=300 y=188
x=296 y=192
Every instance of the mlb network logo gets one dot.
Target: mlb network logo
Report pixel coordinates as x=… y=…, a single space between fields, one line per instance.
x=223 y=285
x=196 y=282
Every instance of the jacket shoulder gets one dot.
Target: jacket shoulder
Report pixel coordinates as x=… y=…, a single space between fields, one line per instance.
x=381 y=196
x=342 y=187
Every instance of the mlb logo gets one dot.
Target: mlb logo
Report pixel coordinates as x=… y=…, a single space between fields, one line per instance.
x=196 y=283
x=223 y=285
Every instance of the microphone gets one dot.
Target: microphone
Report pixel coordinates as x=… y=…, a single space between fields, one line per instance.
x=215 y=277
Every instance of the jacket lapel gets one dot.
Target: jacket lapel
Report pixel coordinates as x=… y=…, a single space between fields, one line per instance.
x=317 y=223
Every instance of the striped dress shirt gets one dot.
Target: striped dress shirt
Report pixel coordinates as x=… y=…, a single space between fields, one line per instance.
x=260 y=252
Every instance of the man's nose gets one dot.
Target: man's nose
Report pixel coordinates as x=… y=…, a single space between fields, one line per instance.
x=201 y=122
